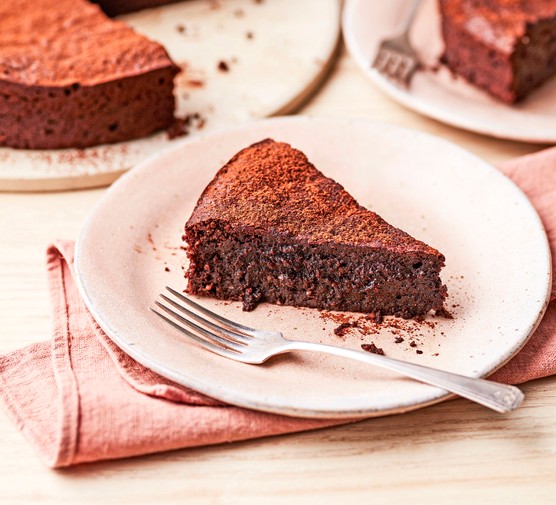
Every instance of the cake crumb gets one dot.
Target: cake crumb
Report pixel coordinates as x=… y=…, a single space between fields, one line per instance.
x=419 y=351
x=443 y=312
x=166 y=269
x=412 y=344
x=375 y=317
x=195 y=83
x=223 y=66
x=180 y=28
x=343 y=329
x=249 y=35
x=372 y=348
x=398 y=340
x=182 y=125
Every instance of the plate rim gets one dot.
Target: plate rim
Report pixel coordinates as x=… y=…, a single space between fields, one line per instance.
x=436 y=396
x=423 y=107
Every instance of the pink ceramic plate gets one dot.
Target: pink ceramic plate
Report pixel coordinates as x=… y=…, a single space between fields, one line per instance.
x=436 y=93
x=497 y=272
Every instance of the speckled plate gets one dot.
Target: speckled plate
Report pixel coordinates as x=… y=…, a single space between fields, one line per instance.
x=436 y=92
x=274 y=62
x=497 y=268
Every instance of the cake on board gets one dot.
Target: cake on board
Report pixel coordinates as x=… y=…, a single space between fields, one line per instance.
x=72 y=77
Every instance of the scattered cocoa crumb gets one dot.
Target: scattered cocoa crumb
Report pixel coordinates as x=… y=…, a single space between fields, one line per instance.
x=180 y=28
x=249 y=35
x=376 y=317
x=343 y=328
x=372 y=348
x=166 y=269
x=181 y=125
x=195 y=83
x=435 y=354
x=151 y=241
x=398 y=340
x=223 y=66
x=419 y=352
x=412 y=344
x=444 y=312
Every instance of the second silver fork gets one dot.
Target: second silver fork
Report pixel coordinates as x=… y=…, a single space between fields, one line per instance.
x=396 y=59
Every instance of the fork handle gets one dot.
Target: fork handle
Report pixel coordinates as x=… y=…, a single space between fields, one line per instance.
x=409 y=17
x=499 y=397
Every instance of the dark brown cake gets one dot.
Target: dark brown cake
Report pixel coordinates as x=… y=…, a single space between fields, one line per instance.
x=505 y=47
x=271 y=227
x=72 y=77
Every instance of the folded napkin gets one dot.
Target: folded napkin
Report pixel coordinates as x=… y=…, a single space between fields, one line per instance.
x=79 y=398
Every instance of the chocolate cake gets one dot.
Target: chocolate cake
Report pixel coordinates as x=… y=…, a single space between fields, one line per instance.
x=271 y=227
x=72 y=77
x=505 y=47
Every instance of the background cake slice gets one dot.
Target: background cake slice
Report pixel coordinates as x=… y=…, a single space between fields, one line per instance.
x=271 y=227
x=72 y=77
x=505 y=47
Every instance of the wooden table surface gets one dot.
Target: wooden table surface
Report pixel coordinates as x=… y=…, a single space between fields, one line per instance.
x=456 y=452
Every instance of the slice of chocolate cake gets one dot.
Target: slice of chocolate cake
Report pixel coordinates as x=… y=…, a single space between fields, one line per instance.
x=505 y=47
x=72 y=77
x=271 y=227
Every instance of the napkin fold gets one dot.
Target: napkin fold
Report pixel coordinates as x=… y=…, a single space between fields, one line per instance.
x=79 y=398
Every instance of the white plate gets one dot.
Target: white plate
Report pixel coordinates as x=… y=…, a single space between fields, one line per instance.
x=497 y=272
x=270 y=73
x=437 y=93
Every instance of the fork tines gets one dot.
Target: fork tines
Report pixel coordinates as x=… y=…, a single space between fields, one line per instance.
x=395 y=65
x=396 y=60
x=216 y=333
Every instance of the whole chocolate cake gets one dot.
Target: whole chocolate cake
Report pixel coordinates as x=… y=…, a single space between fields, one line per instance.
x=271 y=227
x=72 y=77
x=505 y=47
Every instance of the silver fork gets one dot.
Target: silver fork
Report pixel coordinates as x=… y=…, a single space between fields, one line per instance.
x=249 y=345
x=396 y=59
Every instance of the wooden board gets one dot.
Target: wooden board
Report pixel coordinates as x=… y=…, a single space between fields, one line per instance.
x=272 y=62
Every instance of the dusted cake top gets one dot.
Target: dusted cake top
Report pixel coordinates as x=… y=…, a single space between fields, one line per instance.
x=63 y=42
x=272 y=186
x=498 y=23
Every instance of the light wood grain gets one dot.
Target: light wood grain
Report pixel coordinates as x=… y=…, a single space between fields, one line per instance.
x=455 y=452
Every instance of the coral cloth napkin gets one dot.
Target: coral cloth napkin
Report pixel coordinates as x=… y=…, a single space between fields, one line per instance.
x=78 y=398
